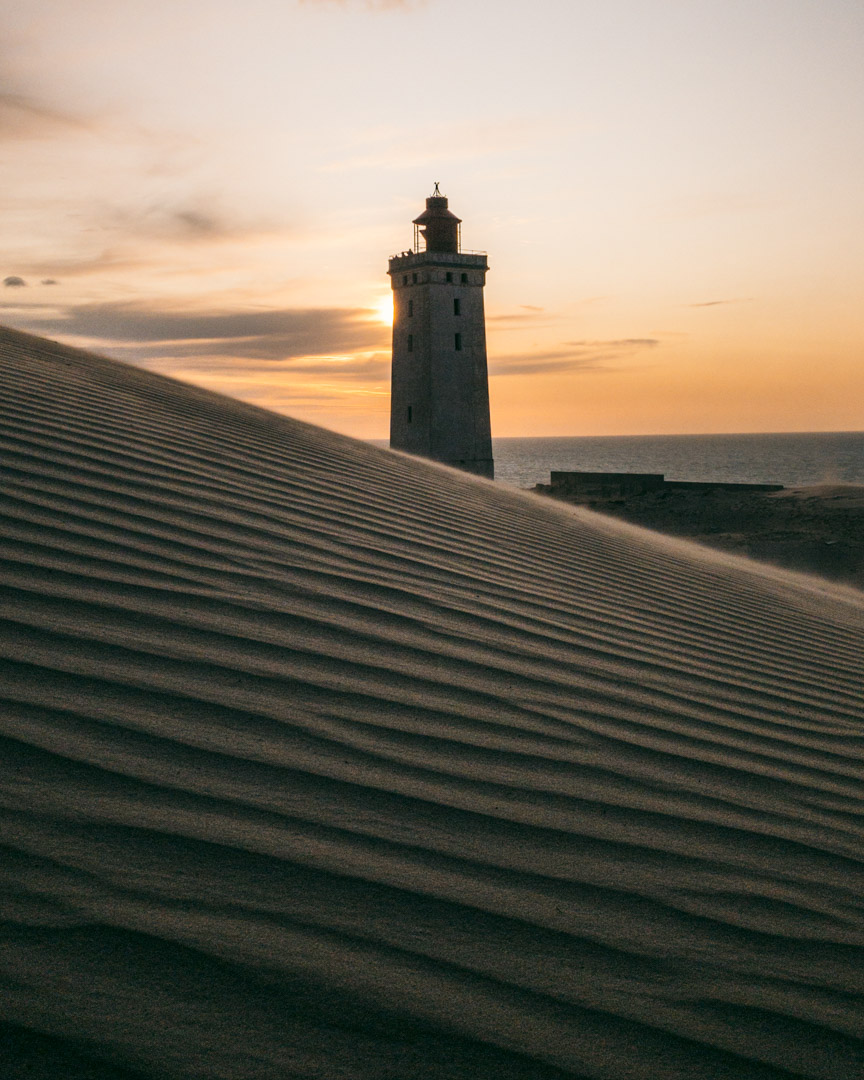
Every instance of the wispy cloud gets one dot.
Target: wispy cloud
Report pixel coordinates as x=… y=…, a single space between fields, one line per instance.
x=77 y=266
x=364 y=367
x=581 y=356
x=541 y=362
x=153 y=233
x=528 y=316
x=197 y=218
x=88 y=190
x=274 y=335
x=617 y=343
x=25 y=117
x=714 y=303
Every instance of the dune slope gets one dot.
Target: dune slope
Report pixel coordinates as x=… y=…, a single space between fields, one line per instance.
x=324 y=762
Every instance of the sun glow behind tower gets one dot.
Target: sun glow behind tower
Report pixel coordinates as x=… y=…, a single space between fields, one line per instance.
x=383 y=309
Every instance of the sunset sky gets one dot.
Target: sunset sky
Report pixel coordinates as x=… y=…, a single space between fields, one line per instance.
x=671 y=193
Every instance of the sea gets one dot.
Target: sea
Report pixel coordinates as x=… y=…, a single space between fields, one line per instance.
x=821 y=457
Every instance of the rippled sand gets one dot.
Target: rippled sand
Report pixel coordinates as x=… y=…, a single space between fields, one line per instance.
x=324 y=762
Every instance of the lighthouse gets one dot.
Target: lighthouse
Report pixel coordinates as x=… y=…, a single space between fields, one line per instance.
x=439 y=402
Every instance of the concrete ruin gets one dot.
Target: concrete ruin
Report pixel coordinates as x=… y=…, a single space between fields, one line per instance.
x=588 y=486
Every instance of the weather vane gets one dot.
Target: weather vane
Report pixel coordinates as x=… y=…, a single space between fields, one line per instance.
x=436 y=191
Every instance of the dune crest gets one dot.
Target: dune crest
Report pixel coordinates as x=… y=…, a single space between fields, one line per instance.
x=322 y=761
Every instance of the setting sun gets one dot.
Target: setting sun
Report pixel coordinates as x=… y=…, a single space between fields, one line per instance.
x=383 y=309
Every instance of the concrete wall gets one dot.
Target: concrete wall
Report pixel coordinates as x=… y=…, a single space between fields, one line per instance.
x=609 y=484
x=605 y=484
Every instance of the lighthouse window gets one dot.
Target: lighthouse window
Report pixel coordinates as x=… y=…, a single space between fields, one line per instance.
x=404 y=279
x=414 y=279
x=449 y=276
x=409 y=414
x=410 y=307
x=458 y=342
x=410 y=343
x=464 y=279
x=457 y=307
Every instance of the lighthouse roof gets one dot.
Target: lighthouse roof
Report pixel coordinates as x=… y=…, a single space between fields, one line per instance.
x=436 y=209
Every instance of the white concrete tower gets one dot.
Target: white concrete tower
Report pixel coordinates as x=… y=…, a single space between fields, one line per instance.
x=439 y=402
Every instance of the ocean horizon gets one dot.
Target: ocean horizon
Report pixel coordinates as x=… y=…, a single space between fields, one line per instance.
x=792 y=459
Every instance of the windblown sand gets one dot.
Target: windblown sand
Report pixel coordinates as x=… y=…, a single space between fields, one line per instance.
x=324 y=762
x=818 y=529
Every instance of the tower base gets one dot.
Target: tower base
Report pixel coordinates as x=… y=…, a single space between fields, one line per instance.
x=478 y=466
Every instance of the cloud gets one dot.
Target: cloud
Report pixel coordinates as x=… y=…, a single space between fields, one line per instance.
x=272 y=335
x=112 y=259
x=195 y=219
x=49 y=281
x=363 y=367
x=26 y=309
x=714 y=303
x=581 y=356
x=527 y=315
x=136 y=238
x=24 y=117
x=617 y=343
x=515 y=317
x=197 y=222
x=14 y=282
x=104 y=187
x=542 y=362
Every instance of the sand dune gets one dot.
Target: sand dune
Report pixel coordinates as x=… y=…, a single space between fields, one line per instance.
x=323 y=762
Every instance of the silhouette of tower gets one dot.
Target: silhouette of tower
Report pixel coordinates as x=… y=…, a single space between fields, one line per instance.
x=439 y=403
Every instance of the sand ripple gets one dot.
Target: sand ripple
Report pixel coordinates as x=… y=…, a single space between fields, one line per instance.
x=323 y=762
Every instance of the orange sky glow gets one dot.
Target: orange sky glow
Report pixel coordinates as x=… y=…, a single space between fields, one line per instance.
x=669 y=193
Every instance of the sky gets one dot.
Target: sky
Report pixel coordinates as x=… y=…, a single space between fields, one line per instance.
x=669 y=192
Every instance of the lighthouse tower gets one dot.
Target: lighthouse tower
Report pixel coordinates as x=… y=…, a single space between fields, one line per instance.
x=439 y=404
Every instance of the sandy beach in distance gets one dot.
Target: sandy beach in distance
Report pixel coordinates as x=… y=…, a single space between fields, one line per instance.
x=322 y=762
